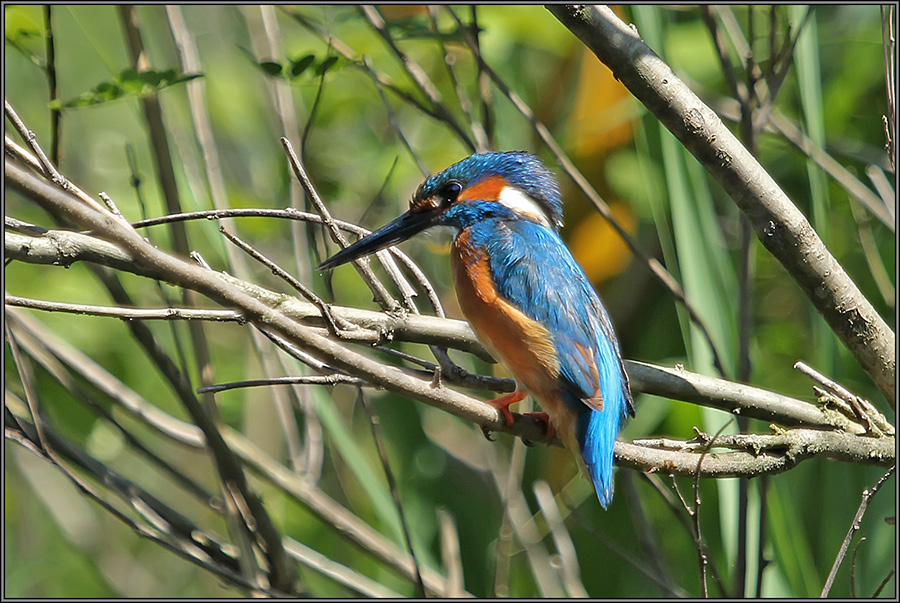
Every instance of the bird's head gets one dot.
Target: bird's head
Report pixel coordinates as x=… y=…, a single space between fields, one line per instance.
x=509 y=185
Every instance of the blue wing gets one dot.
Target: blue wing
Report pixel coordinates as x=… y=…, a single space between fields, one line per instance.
x=535 y=271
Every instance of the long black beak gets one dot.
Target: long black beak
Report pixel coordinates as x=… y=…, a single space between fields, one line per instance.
x=399 y=230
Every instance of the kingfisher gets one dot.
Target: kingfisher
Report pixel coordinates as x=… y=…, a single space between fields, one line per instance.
x=527 y=299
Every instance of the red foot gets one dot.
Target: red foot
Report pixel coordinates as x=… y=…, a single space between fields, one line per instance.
x=549 y=429
x=502 y=404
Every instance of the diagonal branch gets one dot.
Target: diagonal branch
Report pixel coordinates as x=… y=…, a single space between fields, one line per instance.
x=781 y=227
x=374 y=327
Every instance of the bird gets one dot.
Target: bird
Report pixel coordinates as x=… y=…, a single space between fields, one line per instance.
x=526 y=298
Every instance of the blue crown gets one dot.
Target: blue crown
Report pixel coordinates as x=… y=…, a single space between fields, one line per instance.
x=520 y=169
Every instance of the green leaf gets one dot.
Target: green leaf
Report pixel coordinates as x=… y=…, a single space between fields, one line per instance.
x=168 y=75
x=151 y=78
x=325 y=65
x=127 y=74
x=302 y=64
x=185 y=77
x=417 y=28
x=129 y=82
x=271 y=67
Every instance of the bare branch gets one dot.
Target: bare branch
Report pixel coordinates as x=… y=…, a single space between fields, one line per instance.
x=781 y=227
x=127 y=313
x=758 y=454
x=376 y=327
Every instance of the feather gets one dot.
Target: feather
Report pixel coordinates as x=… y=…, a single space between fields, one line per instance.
x=534 y=272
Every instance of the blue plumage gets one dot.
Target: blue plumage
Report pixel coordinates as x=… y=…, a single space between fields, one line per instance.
x=525 y=296
x=534 y=270
x=597 y=431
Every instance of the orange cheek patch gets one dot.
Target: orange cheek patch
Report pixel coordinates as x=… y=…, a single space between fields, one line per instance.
x=488 y=189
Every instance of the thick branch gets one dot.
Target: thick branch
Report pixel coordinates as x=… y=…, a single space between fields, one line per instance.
x=781 y=227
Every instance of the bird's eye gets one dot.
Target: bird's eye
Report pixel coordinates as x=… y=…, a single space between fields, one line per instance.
x=451 y=191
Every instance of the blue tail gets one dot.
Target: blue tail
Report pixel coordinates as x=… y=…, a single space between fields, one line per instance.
x=597 y=430
x=597 y=437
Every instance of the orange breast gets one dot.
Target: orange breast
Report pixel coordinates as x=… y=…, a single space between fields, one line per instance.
x=523 y=345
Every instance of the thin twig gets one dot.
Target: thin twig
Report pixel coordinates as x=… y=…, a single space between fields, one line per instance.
x=384 y=80
x=695 y=514
x=854 y=527
x=337 y=326
x=778 y=122
x=484 y=82
x=417 y=74
x=647 y=535
x=381 y=295
x=27 y=380
x=884 y=583
x=465 y=105
x=340 y=573
x=392 y=119
x=126 y=313
x=866 y=414
x=762 y=561
x=890 y=80
x=333 y=379
x=47 y=169
x=50 y=68
x=375 y=424
x=736 y=87
x=853 y=567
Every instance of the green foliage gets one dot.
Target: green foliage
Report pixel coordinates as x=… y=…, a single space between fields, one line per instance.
x=293 y=69
x=128 y=83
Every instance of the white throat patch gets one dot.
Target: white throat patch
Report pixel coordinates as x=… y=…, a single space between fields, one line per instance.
x=523 y=204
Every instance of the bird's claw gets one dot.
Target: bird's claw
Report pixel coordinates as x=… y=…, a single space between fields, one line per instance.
x=549 y=428
x=487 y=433
x=503 y=402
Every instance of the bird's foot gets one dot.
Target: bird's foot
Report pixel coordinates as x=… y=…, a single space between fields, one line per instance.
x=503 y=402
x=549 y=427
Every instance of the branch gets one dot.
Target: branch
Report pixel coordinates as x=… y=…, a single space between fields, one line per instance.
x=755 y=454
x=798 y=445
x=296 y=485
x=161 y=523
x=126 y=313
x=379 y=327
x=781 y=227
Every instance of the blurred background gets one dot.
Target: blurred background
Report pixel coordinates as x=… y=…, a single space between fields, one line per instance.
x=328 y=79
